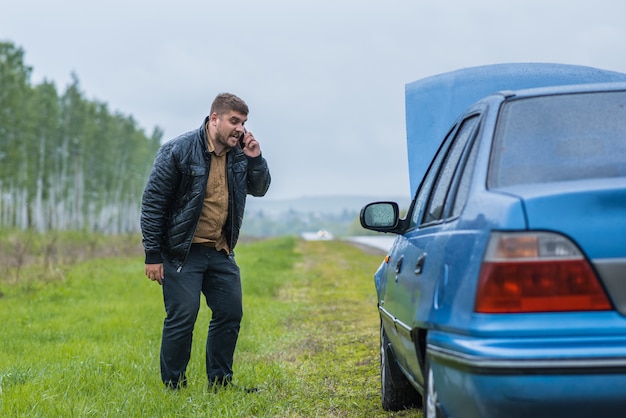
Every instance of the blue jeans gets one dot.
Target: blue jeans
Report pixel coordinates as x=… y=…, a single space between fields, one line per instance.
x=216 y=276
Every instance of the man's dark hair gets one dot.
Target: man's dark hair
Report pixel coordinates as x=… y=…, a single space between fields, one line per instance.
x=226 y=102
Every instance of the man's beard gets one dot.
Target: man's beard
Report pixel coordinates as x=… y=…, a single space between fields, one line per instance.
x=223 y=140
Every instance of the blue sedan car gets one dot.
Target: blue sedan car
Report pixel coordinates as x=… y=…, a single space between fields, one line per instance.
x=504 y=294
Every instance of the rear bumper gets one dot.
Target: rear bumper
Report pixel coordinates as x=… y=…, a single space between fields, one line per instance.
x=521 y=377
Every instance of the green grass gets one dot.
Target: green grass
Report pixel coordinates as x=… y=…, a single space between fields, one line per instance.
x=87 y=343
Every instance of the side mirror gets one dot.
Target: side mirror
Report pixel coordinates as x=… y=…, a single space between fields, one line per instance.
x=380 y=216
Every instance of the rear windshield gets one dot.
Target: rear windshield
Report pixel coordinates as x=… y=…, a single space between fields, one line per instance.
x=560 y=138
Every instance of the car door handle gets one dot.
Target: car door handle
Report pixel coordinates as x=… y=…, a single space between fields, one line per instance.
x=419 y=265
x=399 y=265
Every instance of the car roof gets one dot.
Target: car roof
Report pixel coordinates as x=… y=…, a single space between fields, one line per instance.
x=434 y=103
x=570 y=88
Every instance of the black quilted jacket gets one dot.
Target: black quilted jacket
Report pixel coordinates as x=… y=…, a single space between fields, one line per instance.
x=172 y=200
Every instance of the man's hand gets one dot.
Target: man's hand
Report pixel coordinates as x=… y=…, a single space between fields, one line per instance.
x=251 y=146
x=155 y=272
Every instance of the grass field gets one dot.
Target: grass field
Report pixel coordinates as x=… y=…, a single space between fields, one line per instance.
x=84 y=342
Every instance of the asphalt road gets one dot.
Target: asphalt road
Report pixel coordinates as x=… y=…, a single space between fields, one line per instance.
x=382 y=242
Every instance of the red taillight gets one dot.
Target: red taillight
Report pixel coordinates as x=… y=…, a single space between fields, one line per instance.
x=537 y=272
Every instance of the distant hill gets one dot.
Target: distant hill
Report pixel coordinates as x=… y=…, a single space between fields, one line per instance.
x=308 y=216
x=318 y=204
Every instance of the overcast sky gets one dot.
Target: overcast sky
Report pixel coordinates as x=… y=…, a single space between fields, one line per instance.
x=324 y=79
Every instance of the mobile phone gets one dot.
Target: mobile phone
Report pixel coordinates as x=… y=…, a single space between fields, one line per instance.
x=241 y=143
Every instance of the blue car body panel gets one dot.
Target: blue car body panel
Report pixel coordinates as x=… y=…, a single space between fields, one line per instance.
x=504 y=365
x=597 y=236
x=532 y=377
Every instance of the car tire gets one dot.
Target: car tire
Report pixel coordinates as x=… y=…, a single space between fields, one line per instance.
x=397 y=393
x=432 y=406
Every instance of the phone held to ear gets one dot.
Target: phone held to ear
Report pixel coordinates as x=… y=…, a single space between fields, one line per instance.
x=241 y=143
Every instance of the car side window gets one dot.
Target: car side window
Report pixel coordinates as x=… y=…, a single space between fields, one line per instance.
x=427 y=182
x=462 y=191
x=435 y=208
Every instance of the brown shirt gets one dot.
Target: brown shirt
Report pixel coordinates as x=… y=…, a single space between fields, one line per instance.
x=210 y=230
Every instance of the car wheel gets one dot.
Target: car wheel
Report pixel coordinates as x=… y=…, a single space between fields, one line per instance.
x=397 y=393
x=432 y=409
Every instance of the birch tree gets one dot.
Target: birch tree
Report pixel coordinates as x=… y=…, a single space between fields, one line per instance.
x=67 y=162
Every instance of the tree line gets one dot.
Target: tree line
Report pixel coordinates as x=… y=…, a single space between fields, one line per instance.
x=67 y=163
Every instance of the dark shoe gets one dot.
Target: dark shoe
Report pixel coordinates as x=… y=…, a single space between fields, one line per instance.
x=219 y=383
x=177 y=384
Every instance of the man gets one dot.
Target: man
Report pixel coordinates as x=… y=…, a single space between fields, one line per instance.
x=192 y=210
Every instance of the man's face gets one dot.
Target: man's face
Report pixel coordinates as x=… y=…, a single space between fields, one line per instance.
x=228 y=128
